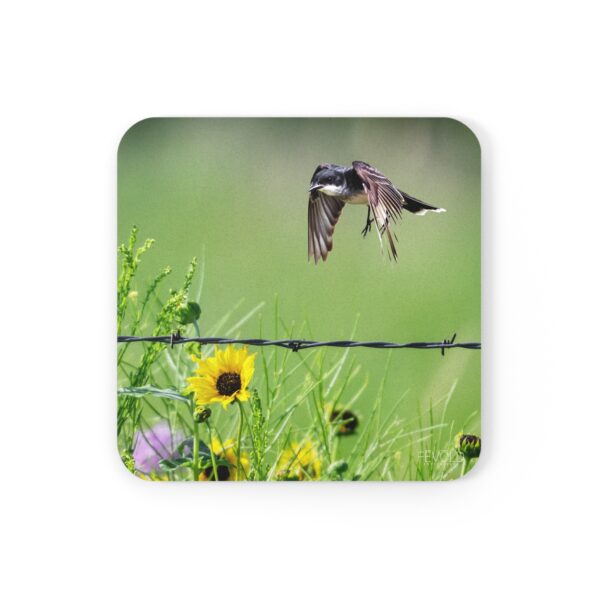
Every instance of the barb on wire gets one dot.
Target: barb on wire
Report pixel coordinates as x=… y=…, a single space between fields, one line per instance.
x=295 y=345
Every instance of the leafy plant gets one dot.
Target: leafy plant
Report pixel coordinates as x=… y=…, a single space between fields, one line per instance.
x=292 y=416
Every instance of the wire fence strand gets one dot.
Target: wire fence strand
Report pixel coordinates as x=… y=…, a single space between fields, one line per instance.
x=296 y=345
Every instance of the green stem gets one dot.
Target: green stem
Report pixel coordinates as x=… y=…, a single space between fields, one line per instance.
x=334 y=448
x=197 y=328
x=465 y=466
x=196 y=451
x=212 y=454
x=239 y=442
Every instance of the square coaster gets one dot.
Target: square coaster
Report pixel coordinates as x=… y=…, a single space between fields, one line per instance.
x=298 y=299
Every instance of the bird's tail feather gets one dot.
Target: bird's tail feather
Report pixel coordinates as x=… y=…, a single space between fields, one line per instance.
x=418 y=207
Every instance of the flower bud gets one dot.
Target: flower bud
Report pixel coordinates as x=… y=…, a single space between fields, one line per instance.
x=337 y=468
x=202 y=414
x=467 y=445
x=189 y=312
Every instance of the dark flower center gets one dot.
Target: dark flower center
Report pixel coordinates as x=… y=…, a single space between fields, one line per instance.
x=228 y=384
x=223 y=473
x=347 y=421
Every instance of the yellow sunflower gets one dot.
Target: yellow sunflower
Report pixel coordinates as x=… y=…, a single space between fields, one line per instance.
x=299 y=462
x=226 y=453
x=222 y=378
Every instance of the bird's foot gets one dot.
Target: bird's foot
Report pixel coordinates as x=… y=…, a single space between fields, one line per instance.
x=367 y=227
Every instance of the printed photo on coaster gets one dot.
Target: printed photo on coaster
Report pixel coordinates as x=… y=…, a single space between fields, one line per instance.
x=298 y=299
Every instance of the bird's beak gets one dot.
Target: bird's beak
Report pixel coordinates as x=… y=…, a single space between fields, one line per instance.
x=317 y=186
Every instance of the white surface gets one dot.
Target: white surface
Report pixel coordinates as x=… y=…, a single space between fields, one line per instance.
x=75 y=524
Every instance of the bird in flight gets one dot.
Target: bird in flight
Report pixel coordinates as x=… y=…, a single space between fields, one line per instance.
x=334 y=186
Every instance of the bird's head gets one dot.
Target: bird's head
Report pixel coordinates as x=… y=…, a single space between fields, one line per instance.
x=328 y=179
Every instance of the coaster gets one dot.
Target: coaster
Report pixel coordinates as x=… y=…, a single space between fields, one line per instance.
x=298 y=299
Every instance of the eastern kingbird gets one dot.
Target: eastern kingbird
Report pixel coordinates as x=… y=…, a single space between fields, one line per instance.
x=333 y=186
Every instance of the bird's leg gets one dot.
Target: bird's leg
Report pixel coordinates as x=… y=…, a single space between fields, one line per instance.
x=369 y=221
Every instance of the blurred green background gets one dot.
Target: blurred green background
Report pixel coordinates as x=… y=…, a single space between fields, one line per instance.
x=235 y=192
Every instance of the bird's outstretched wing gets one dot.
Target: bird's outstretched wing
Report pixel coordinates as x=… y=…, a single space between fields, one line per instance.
x=385 y=200
x=323 y=213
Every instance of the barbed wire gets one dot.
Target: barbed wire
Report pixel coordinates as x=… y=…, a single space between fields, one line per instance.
x=295 y=345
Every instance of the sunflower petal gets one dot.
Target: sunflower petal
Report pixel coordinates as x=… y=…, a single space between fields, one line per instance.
x=243 y=395
x=209 y=366
x=229 y=359
x=239 y=359
x=247 y=371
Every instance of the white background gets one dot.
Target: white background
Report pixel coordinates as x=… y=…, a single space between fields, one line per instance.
x=523 y=75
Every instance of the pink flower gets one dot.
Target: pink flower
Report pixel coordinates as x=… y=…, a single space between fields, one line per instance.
x=153 y=445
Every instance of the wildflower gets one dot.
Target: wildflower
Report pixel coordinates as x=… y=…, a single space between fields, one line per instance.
x=467 y=445
x=153 y=445
x=299 y=462
x=226 y=457
x=223 y=378
x=133 y=295
x=344 y=421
